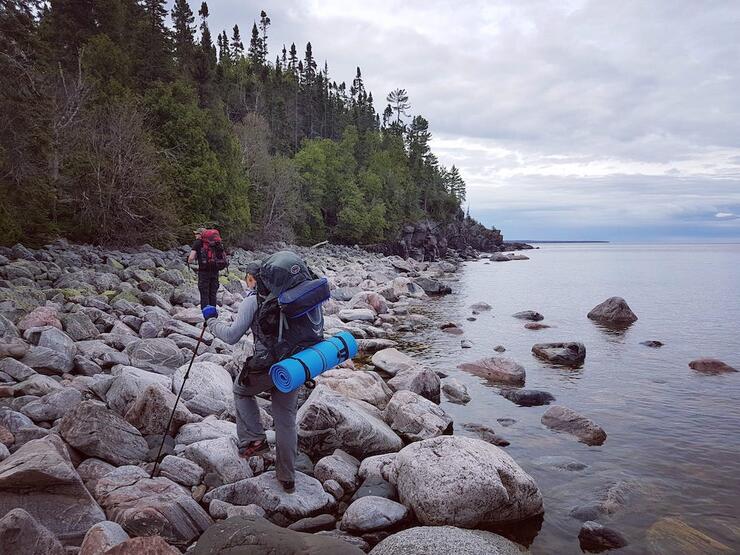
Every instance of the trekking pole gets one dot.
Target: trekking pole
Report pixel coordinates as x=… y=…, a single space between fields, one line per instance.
x=185 y=378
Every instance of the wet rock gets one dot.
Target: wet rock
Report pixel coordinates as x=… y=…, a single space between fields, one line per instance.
x=563 y=419
x=610 y=499
x=455 y=391
x=671 y=535
x=102 y=537
x=159 y=355
x=258 y=535
x=481 y=307
x=99 y=432
x=21 y=533
x=499 y=348
x=652 y=343
x=148 y=545
x=370 y=514
x=40 y=477
x=314 y=524
x=309 y=498
x=52 y=405
x=339 y=467
x=415 y=418
x=466 y=344
x=529 y=315
x=710 y=366
x=181 y=470
x=595 y=537
x=365 y=386
x=151 y=411
x=446 y=540
x=392 y=361
x=464 y=482
x=561 y=463
x=497 y=369
x=145 y=506
x=206 y=378
x=613 y=311
x=527 y=397
x=220 y=457
x=329 y=421
x=535 y=326
x=486 y=433
x=562 y=354
x=422 y=381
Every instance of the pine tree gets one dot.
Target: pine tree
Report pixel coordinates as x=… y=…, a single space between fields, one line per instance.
x=184 y=34
x=264 y=24
x=156 y=43
x=256 y=49
x=224 y=50
x=293 y=60
x=237 y=47
x=399 y=99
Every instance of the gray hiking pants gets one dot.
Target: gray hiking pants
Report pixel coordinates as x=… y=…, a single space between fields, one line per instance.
x=249 y=427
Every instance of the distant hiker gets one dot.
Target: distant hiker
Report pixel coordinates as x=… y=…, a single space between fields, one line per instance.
x=274 y=340
x=208 y=250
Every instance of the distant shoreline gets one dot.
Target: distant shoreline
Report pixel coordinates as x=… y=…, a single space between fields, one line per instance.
x=530 y=241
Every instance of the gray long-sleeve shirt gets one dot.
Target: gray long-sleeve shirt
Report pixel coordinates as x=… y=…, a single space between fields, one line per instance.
x=232 y=333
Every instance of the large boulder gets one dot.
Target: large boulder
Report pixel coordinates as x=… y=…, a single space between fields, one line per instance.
x=372 y=513
x=455 y=391
x=146 y=545
x=52 y=405
x=613 y=311
x=209 y=428
x=561 y=354
x=99 y=432
x=446 y=540
x=102 y=537
x=49 y=361
x=206 y=378
x=22 y=534
x=159 y=355
x=251 y=534
x=146 y=506
x=433 y=286
x=463 y=482
x=339 y=467
x=40 y=478
x=152 y=409
x=365 y=386
x=497 y=369
x=563 y=419
x=127 y=384
x=415 y=418
x=422 y=381
x=329 y=421
x=308 y=499
x=392 y=361
x=220 y=457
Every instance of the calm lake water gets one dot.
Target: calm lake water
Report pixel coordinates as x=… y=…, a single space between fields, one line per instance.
x=673 y=434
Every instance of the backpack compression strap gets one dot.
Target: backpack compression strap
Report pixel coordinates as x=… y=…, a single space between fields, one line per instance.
x=309 y=383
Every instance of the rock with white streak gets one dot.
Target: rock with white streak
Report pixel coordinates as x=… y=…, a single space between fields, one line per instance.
x=181 y=470
x=159 y=355
x=128 y=383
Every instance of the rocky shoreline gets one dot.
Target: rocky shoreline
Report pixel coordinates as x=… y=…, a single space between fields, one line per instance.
x=94 y=345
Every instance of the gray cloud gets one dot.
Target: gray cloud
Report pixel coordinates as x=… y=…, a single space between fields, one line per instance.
x=601 y=109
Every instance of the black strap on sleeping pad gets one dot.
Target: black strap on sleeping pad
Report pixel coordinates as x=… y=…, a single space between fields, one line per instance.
x=309 y=383
x=345 y=350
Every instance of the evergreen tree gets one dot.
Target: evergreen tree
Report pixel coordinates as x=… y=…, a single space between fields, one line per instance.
x=184 y=34
x=156 y=43
x=256 y=48
x=293 y=59
x=237 y=47
x=399 y=100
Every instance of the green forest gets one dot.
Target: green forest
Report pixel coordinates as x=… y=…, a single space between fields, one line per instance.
x=121 y=123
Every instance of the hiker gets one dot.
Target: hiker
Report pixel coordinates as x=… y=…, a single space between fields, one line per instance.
x=271 y=344
x=208 y=250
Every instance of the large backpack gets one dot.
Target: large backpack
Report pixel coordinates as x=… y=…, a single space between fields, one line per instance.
x=289 y=297
x=212 y=256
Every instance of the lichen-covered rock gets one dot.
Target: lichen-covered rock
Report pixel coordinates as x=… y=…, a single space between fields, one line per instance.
x=329 y=421
x=614 y=310
x=463 y=482
x=99 y=432
x=146 y=506
x=567 y=420
x=40 y=478
x=79 y=326
x=497 y=369
x=446 y=540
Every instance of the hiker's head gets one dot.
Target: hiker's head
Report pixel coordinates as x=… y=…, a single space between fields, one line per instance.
x=198 y=232
x=252 y=271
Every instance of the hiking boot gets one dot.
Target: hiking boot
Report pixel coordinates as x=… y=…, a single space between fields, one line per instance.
x=255 y=448
x=288 y=485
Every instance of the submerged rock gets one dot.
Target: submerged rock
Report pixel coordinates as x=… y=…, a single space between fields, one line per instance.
x=464 y=482
x=529 y=315
x=596 y=537
x=562 y=354
x=671 y=535
x=613 y=311
x=567 y=420
x=652 y=343
x=486 y=433
x=561 y=463
x=446 y=540
x=455 y=391
x=498 y=369
x=710 y=366
x=527 y=397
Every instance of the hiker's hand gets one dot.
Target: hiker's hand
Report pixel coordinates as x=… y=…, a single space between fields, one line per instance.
x=210 y=312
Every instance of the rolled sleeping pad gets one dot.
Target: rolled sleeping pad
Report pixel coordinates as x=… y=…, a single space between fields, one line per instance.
x=292 y=372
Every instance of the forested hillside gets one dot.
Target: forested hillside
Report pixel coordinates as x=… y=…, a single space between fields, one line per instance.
x=121 y=123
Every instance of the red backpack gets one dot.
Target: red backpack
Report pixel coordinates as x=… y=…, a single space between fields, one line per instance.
x=212 y=254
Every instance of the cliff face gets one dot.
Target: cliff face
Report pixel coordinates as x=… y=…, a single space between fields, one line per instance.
x=429 y=240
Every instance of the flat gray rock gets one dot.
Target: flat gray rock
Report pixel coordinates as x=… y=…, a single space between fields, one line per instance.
x=497 y=369
x=371 y=514
x=392 y=361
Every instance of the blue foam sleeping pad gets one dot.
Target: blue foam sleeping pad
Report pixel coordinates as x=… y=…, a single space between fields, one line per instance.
x=290 y=374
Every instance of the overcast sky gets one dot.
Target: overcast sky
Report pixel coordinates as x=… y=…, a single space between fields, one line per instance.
x=569 y=119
